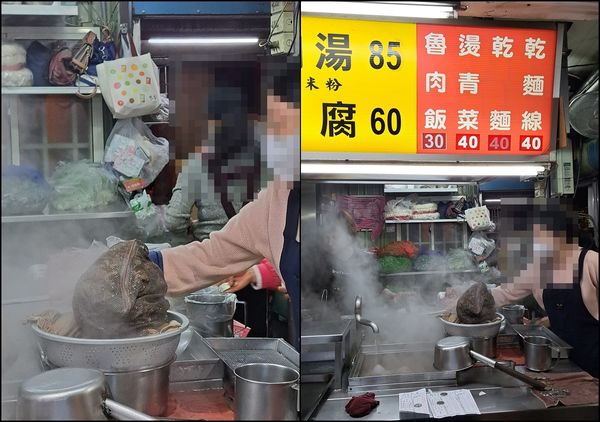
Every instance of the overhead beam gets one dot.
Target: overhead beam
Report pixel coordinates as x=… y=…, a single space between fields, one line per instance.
x=567 y=11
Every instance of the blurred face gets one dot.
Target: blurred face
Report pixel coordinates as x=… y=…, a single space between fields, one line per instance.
x=282 y=117
x=280 y=146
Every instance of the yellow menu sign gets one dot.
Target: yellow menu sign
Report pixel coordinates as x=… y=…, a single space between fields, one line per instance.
x=359 y=90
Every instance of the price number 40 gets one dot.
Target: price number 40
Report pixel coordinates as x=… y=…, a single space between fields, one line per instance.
x=467 y=142
x=530 y=143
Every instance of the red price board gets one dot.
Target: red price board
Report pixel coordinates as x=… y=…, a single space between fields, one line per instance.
x=484 y=88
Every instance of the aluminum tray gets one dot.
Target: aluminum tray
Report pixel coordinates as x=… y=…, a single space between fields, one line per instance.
x=235 y=352
x=197 y=363
x=407 y=365
x=539 y=330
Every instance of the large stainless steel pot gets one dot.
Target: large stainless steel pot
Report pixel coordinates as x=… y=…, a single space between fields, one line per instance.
x=490 y=329
x=71 y=394
x=146 y=390
x=266 y=391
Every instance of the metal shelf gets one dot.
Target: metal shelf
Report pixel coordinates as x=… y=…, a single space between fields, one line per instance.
x=55 y=9
x=66 y=216
x=427 y=273
x=47 y=90
x=449 y=220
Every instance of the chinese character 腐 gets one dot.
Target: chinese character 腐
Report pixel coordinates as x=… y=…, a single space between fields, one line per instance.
x=310 y=83
x=499 y=120
x=469 y=44
x=333 y=84
x=435 y=44
x=501 y=46
x=338 y=119
x=468 y=82
x=337 y=54
x=435 y=80
x=435 y=119
x=468 y=119
x=534 y=48
x=531 y=121
x=533 y=85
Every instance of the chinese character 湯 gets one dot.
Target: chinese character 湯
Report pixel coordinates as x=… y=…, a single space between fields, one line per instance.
x=501 y=46
x=533 y=85
x=469 y=44
x=534 y=48
x=337 y=54
x=333 y=84
x=468 y=82
x=435 y=44
x=468 y=119
x=435 y=119
x=435 y=80
x=310 y=83
x=531 y=121
x=499 y=120
x=338 y=119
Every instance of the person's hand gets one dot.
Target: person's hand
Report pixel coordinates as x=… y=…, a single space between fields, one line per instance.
x=283 y=290
x=544 y=322
x=239 y=281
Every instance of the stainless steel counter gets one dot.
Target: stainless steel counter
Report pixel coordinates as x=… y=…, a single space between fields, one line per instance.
x=504 y=398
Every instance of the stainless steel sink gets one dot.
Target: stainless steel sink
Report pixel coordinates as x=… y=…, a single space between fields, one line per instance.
x=484 y=376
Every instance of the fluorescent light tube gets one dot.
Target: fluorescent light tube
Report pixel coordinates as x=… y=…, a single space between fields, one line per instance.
x=206 y=40
x=422 y=170
x=388 y=9
x=493 y=200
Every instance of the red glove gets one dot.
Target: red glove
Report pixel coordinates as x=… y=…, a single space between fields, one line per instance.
x=360 y=406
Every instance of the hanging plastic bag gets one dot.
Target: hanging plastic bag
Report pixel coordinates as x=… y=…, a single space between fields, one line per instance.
x=478 y=218
x=149 y=218
x=135 y=153
x=481 y=246
x=130 y=86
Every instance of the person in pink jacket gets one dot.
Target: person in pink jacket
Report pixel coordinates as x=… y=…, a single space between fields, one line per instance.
x=266 y=228
x=540 y=256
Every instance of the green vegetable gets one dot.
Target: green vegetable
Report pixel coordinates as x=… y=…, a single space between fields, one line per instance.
x=395 y=264
x=460 y=260
x=81 y=185
x=430 y=263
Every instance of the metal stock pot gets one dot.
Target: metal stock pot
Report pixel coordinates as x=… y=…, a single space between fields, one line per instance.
x=71 y=394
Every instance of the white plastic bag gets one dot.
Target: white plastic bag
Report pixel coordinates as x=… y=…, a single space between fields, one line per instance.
x=130 y=86
x=135 y=153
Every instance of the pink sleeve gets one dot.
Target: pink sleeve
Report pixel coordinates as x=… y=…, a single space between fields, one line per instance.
x=504 y=295
x=253 y=234
x=269 y=279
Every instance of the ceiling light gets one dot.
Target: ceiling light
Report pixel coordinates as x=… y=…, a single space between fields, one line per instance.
x=480 y=170
x=387 y=9
x=206 y=40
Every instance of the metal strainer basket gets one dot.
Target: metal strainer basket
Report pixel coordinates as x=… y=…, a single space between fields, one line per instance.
x=111 y=355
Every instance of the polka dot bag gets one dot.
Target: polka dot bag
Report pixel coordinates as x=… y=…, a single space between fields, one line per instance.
x=130 y=86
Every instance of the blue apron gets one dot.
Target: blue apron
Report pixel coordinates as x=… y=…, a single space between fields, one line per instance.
x=571 y=321
x=289 y=264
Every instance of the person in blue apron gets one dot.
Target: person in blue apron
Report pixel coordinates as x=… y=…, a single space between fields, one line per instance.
x=266 y=227
x=541 y=235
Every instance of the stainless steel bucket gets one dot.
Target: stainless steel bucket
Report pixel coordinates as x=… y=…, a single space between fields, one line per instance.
x=71 y=394
x=212 y=314
x=266 y=391
x=146 y=390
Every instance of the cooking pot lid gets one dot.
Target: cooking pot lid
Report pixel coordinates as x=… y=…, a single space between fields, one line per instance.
x=62 y=380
